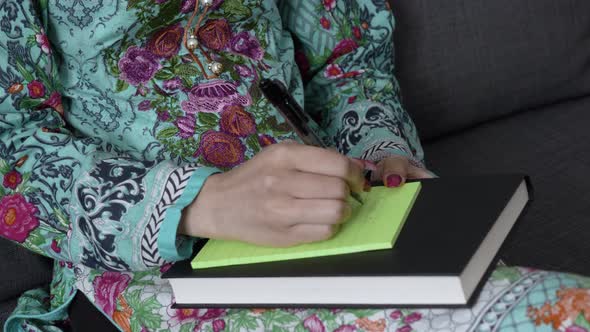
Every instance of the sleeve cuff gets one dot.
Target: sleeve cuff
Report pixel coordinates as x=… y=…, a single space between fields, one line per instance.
x=174 y=247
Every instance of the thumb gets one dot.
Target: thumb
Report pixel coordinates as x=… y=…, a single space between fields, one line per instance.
x=393 y=171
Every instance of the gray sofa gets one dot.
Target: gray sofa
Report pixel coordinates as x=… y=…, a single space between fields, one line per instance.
x=493 y=86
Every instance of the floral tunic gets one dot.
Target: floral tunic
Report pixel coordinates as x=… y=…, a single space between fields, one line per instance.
x=108 y=130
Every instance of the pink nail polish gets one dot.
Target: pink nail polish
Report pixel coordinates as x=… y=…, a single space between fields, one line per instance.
x=393 y=181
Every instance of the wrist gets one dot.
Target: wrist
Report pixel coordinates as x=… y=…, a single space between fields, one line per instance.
x=197 y=218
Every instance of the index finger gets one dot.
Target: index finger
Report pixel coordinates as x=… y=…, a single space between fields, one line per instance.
x=321 y=161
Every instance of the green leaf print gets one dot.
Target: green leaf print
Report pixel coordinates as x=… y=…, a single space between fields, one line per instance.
x=582 y=322
x=506 y=273
x=2 y=192
x=208 y=120
x=187 y=327
x=186 y=70
x=300 y=328
x=24 y=72
x=4 y=167
x=167 y=133
x=143 y=311
x=362 y=313
x=253 y=144
x=166 y=16
x=235 y=10
x=242 y=319
x=29 y=103
x=121 y=86
x=277 y=318
x=35 y=241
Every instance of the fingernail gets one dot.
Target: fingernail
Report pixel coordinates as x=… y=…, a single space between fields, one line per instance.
x=393 y=181
x=367 y=186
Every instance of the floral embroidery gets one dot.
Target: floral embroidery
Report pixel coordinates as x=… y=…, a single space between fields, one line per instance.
x=138 y=66
x=12 y=179
x=107 y=289
x=573 y=305
x=17 y=217
x=165 y=43
x=215 y=34
x=221 y=149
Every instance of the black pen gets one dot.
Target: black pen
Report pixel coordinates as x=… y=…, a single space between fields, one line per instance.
x=276 y=92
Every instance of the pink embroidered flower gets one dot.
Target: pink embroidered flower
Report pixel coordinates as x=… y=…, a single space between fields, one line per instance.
x=246 y=44
x=17 y=217
x=221 y=149
x=314 y=324
x=333 y=71
x=165 y=42
x=12 y=179
x=54 y=101
x=576 y=328
x=329 y=4
x=244 y=71
x=215 y=34
x=138 y=66
x=164 y=115
x=218 y=325
x=173 y=84
x=180 y=316
x=352 y=99
x=325 y=23
x=344 y=47
x=55 y=247
x=396 y=314
x=43 y=42
x=266 y=140
x=107 y=287
x=36 y=89
x=213 y=97
x=236 y=121
x=186 y=126
x=412 y=318
x=405 y=328
x=145 y=105
x=210 y=314
x=346 y=328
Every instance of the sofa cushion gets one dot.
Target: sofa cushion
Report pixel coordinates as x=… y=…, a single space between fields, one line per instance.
x=462 y=62
x=21 y=270
x=552 y=145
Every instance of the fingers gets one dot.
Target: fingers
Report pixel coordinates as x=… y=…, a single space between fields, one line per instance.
x=393 y=171
x=291 y=212
x=312 y=186
x=305 y=233
x=320 y=161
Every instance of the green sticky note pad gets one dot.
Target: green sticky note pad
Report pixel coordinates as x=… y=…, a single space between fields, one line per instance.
x=373 y=225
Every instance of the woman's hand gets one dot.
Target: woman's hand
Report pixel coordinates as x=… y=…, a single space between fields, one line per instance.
x=395 y=170
x=287 y=194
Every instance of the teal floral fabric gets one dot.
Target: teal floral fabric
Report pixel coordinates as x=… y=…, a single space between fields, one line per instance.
x=108 y=130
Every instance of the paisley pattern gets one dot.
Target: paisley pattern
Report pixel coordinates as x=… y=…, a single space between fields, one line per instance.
x=108 y=130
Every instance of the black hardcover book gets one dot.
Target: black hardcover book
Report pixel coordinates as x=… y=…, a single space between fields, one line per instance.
x=442 y=257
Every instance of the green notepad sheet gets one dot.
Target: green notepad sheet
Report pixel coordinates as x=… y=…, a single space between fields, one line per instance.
x=374 y=225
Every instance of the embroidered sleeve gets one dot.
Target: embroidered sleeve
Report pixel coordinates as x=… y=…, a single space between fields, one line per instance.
x=78 y=199
x=345 y=50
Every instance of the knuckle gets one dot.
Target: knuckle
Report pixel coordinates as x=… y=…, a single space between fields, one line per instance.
x=342 y=190
x=270 y=181
x=339 y=211
x=280 y=152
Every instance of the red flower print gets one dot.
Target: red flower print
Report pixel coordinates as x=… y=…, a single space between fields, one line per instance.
x=346 y=328
x=55 y=247
x=15 y=88
x=303 y=63
x=412 y=318
x=221 y=149
x=266 y=140
x=54 y=102
x=43 y=42
x=236 y=121
x=353 y=73
x=405 y=328
x=352 y=99
x=145 y=105
x=36 y=89
x=17 y=217
x=333 y=71
x=314 y=324
x=329 y=4
x=576 y=328
x=180 y=316
x=396 y=314
x=12 y=179
x=342 y=48
x=215 y=34
x=356 y=32
x=165 y=42
x=218 y=325
x=107 y=287
x=326 y=24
